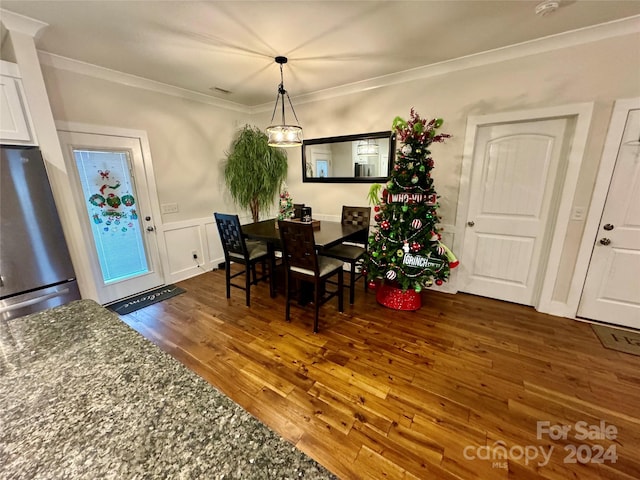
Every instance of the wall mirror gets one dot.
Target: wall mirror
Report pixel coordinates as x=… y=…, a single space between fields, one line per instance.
x=362 y=158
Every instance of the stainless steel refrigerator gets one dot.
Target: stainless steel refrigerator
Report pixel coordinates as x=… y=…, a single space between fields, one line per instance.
x=35 y=267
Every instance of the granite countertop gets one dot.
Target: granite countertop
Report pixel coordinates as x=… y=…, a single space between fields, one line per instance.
x=85 y=396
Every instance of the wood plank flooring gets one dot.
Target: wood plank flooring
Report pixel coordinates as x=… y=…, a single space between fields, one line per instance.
x=452 y=391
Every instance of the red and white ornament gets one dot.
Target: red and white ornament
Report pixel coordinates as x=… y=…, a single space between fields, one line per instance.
x=391 y=275
x=415 y=247
x=385 y=225
x=416 y=223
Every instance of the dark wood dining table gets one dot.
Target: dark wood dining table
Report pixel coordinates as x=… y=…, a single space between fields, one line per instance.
x=326 y=235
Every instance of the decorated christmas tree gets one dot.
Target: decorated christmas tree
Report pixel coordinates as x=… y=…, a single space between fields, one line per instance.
x=405 y=252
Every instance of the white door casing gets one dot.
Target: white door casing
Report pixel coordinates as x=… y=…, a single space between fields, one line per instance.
x=579 y=116
x=612 y=288
x=147 y=206
x=512 y=185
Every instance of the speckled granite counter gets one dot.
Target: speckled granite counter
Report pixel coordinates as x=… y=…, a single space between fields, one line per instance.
x=84 y=396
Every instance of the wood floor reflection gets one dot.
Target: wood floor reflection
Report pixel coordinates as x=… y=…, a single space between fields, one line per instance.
x=454 y=390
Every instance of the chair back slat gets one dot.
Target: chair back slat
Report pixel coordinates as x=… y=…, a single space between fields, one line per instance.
x=298 y=245
x=357 y=216
x=230 y=232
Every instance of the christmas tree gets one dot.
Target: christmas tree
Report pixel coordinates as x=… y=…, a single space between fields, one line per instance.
x=405 y=246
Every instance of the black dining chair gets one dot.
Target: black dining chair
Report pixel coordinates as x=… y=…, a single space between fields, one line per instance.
x=238 y=250
x=303 y=264
x=353 y=250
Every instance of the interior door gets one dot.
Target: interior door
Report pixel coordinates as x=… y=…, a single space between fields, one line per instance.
x=612 y=288
x=111 y=188
x=513 y=181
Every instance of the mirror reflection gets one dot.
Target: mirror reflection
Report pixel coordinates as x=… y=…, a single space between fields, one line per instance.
x=364 y=157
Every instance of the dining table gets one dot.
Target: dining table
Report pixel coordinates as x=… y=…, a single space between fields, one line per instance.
x=326 y=234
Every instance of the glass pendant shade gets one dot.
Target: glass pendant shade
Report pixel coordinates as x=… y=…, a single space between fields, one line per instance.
x=283 y=135
x=368 y=147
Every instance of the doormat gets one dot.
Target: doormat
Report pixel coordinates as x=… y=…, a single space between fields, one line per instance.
x=144 y=299
x=617 y=339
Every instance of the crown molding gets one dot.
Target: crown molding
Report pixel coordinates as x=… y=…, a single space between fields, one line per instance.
x=103 y=73
x=19 y=23
x=616 y=28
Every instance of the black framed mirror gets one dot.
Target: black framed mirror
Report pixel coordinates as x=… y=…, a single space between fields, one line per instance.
x=361 y=158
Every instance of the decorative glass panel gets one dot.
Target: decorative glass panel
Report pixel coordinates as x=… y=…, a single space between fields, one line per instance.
x=110 y=201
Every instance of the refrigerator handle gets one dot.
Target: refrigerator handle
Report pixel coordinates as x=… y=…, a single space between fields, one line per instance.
x=32 y=301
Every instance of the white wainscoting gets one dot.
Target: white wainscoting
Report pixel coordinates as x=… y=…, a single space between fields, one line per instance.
x=182 y=238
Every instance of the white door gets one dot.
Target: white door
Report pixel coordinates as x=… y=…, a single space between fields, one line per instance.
x=111 y=187
x=612 y=289
x=513 y=181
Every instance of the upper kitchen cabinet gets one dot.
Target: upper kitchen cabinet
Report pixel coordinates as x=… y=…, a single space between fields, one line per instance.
x=15 y=121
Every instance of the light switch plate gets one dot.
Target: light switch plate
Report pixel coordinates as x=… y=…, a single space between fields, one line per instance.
x=169 y=208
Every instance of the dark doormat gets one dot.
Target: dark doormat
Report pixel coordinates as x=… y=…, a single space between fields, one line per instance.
x=144 y=299
x=618 y=339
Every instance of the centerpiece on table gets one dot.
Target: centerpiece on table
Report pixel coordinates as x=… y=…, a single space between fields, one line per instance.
x=286 y=208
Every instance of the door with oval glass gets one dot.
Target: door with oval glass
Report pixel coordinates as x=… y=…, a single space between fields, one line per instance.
x=513 y=183
x=612 y=289
x=110 y=185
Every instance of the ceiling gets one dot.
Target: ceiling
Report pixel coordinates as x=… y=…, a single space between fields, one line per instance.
x=231 y=45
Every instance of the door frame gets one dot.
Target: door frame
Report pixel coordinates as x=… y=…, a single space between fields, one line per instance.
x=141 y=137
x=599 y=198
x=570 y=169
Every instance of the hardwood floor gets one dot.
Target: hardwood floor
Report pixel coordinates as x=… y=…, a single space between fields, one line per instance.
x=454 y=390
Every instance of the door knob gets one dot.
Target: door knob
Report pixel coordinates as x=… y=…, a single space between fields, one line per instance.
x=605 y=241
x=608 y=227
x=147 y=218
x=150 y=229
x=471 y=223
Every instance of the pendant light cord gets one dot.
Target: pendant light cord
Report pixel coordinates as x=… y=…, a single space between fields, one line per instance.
x=281 y=93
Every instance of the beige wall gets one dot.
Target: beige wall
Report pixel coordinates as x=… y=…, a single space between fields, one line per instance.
x=188 y=139
x=598 y=72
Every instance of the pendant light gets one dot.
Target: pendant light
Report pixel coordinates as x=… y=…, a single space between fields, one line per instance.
x=283 y=135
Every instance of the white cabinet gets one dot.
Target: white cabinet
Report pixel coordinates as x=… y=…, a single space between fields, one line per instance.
x=15 y=121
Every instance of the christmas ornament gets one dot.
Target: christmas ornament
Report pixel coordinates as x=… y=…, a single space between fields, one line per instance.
x=416 y=223
x=399 y=253
x=415 y=247
x=391 y=275
x=438 y=281
x=406 y=150
x=385 y=225
x=415 y=179
x=453 y=261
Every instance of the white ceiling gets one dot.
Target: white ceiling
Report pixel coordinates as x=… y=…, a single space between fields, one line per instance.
x=232 y=44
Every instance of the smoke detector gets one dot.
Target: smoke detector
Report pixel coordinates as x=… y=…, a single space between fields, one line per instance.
x=547 y=7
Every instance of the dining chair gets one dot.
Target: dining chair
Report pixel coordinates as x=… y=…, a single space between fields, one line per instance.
x=303 y=264
x=352 y=250
x=238 y=250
